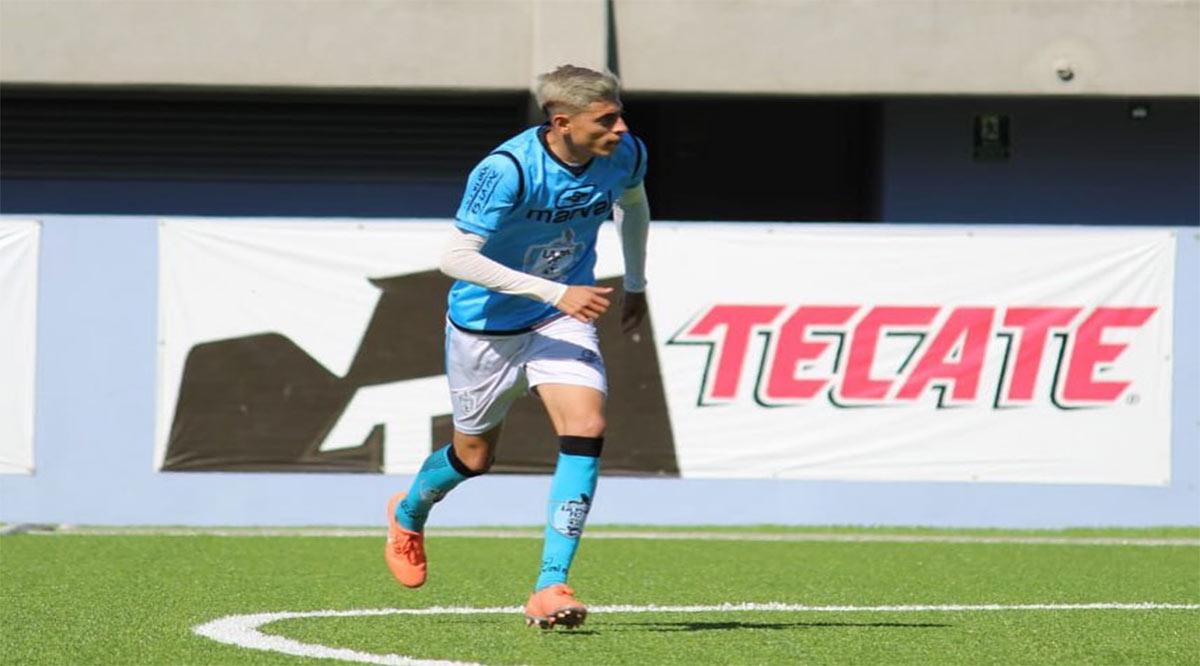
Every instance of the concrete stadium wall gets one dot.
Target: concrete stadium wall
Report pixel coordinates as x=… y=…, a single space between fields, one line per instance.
x=1110 y=47
x=911 y=47
x=95 y=395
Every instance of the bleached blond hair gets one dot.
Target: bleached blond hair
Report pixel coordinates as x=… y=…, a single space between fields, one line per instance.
x=570 y=89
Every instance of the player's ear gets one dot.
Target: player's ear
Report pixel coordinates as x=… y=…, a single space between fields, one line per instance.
x=560 y=122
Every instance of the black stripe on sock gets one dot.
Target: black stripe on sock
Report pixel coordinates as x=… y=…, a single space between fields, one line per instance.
x=458 y=465
x=581 y=446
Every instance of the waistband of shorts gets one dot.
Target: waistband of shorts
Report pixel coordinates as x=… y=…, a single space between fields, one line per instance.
x=504 y=332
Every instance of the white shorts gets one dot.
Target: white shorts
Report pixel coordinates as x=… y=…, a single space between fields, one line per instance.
x=488 y=372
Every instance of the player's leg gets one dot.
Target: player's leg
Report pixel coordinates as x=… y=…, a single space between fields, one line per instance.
x=568 y=375
x=481 y=393
x=466 y=457
x=577 y=413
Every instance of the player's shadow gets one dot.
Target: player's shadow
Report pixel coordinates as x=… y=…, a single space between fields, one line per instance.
x=727 y=626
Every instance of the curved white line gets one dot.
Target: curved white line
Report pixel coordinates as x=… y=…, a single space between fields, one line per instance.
x=243 y=630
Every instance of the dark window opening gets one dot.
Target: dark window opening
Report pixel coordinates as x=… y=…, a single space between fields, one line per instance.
x=761 y=159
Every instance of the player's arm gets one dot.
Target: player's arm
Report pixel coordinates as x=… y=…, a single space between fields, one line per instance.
x=632 y=215
x=463 y=259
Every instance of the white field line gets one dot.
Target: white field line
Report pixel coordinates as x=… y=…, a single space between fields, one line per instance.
x=243 y=630
x=632 y=534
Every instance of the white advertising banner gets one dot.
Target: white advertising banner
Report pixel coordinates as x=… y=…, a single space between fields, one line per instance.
x=785 y=351
x=999 y=355
x=18 y=342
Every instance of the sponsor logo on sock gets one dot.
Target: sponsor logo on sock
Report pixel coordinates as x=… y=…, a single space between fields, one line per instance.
x=570 y=516
x=431 y=495
x=407 y=510
x=550 y=565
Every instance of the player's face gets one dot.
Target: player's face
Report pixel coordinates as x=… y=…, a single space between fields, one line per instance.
x=596 y=131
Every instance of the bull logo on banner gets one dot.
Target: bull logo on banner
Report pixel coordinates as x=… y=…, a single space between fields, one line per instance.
x=261 y=403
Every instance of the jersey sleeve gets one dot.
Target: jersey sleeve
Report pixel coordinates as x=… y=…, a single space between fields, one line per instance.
x=493 y=189
x=639 y=163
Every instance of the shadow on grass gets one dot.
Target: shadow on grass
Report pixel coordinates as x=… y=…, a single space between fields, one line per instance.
x=726 y=626
x=597 y=628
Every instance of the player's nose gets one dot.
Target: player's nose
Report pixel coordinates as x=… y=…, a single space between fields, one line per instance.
x=620 y=127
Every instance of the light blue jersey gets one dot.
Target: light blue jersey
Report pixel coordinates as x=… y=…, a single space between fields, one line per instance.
x=539 y=216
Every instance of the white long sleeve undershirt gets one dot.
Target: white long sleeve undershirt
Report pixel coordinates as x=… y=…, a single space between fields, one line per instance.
x=632 y=216
x=462 y=260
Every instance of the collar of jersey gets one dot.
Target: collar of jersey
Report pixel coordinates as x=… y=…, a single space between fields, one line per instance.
x=575 y=170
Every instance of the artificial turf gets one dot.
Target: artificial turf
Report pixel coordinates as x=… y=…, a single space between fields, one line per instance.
x=118 y=599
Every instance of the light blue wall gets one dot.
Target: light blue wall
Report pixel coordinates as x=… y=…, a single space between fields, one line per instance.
x=95 y=426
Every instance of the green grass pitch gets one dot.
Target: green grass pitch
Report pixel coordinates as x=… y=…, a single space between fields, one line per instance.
x=134 y=599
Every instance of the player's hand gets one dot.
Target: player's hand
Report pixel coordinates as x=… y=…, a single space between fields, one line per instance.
x=585 y=303
x=633 y=310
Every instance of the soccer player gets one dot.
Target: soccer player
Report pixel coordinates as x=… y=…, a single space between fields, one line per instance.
x=522 y=312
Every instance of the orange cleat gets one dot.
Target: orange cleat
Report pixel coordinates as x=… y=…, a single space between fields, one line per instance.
x=405 y=549
x=554 y=606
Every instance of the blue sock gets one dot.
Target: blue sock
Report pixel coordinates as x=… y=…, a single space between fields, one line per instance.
x=571 y=493
x=440 y=473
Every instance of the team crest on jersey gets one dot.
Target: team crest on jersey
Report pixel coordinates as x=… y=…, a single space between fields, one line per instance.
x=555 y=258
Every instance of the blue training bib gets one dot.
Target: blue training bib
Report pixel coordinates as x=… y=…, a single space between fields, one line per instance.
x=539 y=216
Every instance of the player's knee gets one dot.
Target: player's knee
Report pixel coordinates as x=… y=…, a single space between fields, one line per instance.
x=471 y=460
x=478 y=463
x=587 y=426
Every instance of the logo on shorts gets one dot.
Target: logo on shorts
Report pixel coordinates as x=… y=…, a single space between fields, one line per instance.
x=465 y=402
x=570 y=515
x=589 y=356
